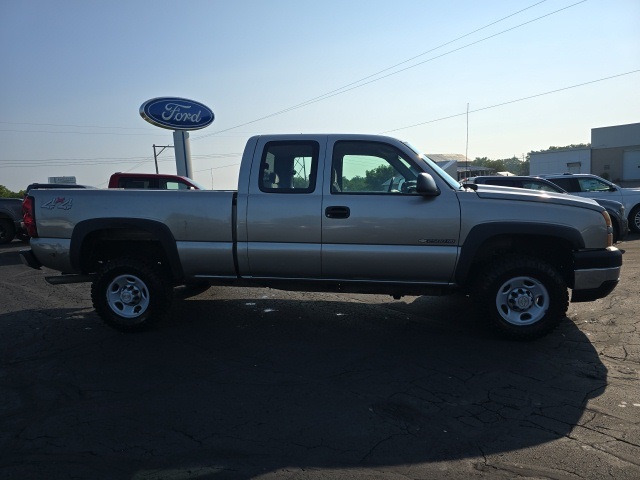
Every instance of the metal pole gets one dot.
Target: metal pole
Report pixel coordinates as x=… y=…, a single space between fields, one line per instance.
x=155 y=157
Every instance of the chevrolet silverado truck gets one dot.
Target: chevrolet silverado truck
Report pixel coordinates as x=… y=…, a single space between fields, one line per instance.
x=330 y=212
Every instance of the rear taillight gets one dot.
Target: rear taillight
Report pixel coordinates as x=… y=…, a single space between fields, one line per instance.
x=28 y=217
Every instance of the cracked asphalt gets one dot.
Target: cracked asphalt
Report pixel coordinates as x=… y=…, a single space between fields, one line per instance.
x=248 y=383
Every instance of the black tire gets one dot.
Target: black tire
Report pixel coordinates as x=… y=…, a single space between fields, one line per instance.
x=7 y=231
x=131 y=295
x=522 y=297
x=634 y=219
x=616 y=231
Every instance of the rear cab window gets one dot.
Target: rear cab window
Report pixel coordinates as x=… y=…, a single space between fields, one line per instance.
x=289 y=167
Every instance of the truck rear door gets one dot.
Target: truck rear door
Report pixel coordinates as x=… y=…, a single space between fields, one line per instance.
x=281 y=237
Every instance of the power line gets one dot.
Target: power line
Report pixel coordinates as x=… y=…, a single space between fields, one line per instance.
x=362 y=82
x=80 y=133
x=69 y=162
x=216 y=168
x=512 y=101
x=75 y=126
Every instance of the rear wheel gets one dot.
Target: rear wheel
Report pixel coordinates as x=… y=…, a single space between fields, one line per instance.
x=131 y=295
x=634 y=219
x=7 y=231
x=522 y=297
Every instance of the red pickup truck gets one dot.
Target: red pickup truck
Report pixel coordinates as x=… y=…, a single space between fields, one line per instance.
x=154 y=181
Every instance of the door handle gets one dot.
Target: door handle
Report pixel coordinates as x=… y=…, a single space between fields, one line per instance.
x=337 y=212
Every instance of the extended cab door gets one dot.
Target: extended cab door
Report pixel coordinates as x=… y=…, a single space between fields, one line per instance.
x=374 y=224
x=279 y=218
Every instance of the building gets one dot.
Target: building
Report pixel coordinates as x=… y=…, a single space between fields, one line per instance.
x=458 y=165
x=614 y=154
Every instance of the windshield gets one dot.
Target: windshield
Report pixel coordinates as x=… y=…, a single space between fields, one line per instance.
x=436 y=168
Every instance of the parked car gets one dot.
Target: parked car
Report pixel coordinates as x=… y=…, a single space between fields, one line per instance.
x=592 y=186
x=616 y=210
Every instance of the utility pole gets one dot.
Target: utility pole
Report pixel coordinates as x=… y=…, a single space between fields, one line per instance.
x=155 y=155
x=466 y=153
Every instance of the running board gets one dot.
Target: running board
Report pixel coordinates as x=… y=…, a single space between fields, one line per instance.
x=64 y=279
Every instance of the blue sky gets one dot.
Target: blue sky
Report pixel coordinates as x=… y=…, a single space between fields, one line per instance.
x=74 y=74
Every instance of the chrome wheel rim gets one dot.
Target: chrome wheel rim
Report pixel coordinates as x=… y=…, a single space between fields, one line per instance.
x=522 y=301
x=128 y=296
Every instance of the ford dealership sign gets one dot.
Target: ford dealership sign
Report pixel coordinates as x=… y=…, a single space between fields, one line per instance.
x=176 y=113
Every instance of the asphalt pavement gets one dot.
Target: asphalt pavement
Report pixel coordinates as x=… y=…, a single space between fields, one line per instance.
x=250 y=383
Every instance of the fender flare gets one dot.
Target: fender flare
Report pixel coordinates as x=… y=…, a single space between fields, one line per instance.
x=159 y=230
x=479 y=234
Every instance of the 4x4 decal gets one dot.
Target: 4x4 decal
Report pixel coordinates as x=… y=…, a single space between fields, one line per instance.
x=58 y=202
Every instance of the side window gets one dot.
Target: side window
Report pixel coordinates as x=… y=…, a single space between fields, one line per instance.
x=171 y=185
x=592 y=185
x=289 y=167
x=567 y=183
x=371 y=167
x=494 y=181
x=533 y=185
x=134 y=183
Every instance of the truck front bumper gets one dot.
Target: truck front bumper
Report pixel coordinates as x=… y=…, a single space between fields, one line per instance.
x=596 y=273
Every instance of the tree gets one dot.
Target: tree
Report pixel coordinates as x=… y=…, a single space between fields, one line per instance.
x=371 y=182
x=513 y=165
x=6 y=193
x=567 y=147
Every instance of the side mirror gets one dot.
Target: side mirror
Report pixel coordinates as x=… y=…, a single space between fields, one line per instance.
x=426 y=186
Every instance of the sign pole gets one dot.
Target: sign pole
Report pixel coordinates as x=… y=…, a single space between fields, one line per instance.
x=182 y=147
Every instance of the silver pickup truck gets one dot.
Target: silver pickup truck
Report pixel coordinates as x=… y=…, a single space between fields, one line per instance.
x=341 y=213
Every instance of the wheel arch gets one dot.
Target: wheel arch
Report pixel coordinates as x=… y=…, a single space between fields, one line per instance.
x=553 y=243
x=105 y=238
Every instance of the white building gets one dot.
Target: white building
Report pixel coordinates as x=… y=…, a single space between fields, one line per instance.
x=614 y=154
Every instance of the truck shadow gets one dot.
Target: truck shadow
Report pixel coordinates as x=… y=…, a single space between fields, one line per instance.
x=235 y=388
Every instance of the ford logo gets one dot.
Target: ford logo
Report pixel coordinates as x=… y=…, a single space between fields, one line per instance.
x=176 y=113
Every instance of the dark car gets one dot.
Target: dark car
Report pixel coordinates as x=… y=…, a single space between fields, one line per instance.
x=11 y=220
x=592 y=186
x=615 y=209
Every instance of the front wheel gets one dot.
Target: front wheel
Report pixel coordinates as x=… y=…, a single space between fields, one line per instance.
x=522 y=297
x=131 y=295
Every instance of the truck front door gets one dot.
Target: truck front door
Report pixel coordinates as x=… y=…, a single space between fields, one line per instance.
x=375 y=227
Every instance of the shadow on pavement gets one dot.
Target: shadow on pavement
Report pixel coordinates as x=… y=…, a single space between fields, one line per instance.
x=238 y=388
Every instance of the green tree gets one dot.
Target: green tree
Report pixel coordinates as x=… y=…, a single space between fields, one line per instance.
x=513 y=165
x=6 y=193
x=376 y=177
x=372 y=181
x=567 y=147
